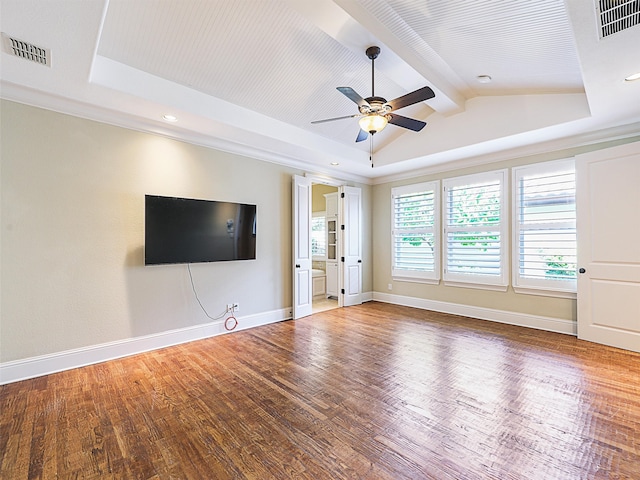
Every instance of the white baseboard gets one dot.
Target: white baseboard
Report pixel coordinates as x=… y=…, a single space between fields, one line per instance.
x=551 y=324
x=56 y=362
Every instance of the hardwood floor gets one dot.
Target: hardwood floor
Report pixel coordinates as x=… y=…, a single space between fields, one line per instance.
x=369 y=392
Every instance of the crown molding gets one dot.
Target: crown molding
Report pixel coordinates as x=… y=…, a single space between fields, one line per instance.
x=56 y=103
x=629 y=132
x=36 y=98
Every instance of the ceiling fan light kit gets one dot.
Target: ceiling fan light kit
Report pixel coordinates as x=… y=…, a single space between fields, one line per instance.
x=373 y=123
x=375 y=112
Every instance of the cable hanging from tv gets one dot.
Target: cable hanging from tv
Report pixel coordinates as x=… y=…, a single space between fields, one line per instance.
x=230 y=322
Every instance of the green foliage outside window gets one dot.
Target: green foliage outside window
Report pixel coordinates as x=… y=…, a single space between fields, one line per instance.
x=557 y=266
x=476 y=207
x=411 y=210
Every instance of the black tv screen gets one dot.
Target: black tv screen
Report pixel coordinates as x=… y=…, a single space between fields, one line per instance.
x=186 y=230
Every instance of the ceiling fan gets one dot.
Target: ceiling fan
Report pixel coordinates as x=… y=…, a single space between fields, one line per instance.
x=375 y=112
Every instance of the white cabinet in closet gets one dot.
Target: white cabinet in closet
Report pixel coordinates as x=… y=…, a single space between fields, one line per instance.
x=332 y=279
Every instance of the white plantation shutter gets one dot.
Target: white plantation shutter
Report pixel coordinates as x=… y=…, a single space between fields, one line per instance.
x=318 y=235
x=415 y=242
x=475 y=239
x=545 y=227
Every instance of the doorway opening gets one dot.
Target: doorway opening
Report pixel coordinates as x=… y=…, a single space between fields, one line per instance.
x=324 y=247
x=344 y=243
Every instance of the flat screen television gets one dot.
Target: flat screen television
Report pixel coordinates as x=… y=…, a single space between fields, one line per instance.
x=187 y=230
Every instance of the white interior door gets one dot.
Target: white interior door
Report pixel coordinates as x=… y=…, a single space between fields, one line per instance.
x=351 y=251
x=302 y=286
x=608 y=219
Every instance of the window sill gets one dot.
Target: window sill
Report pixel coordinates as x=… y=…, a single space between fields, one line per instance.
x=479 y=286
x=545 y=293
x=430 y=281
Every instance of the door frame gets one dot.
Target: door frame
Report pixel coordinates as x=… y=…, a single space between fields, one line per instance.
x=333 y=182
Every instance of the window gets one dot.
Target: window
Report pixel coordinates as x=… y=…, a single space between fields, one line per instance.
x=318 y=236
x=414 y=231
x=475 y=231
x=545 y=228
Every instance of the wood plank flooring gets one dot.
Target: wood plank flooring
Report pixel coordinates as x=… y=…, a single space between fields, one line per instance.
x=369 y=392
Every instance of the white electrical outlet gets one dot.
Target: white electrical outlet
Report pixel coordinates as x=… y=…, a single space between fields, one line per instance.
x=236 y=307
x=229 y=307
x=390 y=287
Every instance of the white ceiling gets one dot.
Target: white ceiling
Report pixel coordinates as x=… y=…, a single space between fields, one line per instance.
x=249 y=76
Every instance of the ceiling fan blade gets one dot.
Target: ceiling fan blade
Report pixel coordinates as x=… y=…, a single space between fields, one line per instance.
x=353 y=95
x=336 y=118
x=420 y=95
x=406 y=122
x=362 y=135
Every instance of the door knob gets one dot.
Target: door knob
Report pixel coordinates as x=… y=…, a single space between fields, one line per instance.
x=582 y=270
x=297 y=265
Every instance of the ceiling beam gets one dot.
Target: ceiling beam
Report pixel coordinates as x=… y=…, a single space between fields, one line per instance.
x=450 y=90
x=354 y=28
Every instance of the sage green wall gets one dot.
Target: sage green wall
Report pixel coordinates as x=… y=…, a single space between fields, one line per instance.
x=509 y=301
x=72 y=233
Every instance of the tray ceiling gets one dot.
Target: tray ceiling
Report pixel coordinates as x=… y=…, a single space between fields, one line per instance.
x=250 y=75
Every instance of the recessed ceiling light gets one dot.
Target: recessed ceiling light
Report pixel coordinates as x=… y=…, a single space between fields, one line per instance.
x=483 y=78
x=631 y=78
x=170 y=118
x=335 y=164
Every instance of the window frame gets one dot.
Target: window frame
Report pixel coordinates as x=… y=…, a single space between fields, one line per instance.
x=469 y=280
x=418 y=276
x=323 y=214
x=544 y=287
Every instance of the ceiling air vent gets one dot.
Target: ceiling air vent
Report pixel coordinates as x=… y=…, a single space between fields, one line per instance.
x=618 y=15
x=26 y=50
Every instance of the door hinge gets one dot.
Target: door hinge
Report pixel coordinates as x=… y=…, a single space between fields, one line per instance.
x=342 y=195
x=341 y=227
x=342 y=259
x=342 y=291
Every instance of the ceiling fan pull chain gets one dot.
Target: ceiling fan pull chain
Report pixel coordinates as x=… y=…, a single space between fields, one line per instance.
x=371 y=150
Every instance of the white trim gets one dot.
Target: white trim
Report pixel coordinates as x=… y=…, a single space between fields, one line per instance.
x=527 y=285
x=323 y=214
x=56 y=362
x=465 y=157
x=39 y=99
x=626 y=133
x=480 y=286
x=326 y=179
x=473 y=280
x=430 y=281
x=79 y=357
x=538 y=322
x=417 y=276
x=543 y=292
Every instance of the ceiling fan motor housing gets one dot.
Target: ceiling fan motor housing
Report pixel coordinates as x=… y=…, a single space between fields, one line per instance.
x=375 y=105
